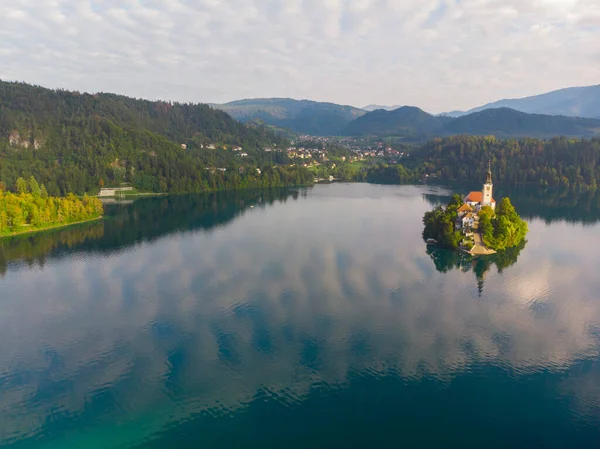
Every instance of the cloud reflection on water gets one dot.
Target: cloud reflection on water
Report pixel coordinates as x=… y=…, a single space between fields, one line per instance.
x=281 y=298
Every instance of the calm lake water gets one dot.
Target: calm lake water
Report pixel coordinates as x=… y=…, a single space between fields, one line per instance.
x=292 y=319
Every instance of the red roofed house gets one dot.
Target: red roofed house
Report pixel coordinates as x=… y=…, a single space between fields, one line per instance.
x=484 y=198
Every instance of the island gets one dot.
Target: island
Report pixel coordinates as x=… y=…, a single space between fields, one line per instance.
x=475 y=223
x=31 y=209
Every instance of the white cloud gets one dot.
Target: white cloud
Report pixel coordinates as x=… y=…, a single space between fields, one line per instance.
x=437 y=54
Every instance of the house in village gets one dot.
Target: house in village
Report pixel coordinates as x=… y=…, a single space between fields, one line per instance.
x=466 y=217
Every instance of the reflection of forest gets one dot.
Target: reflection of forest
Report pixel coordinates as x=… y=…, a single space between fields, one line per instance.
x=446 y=260
x=34 y=248
x=548 y=205
x=143 y=220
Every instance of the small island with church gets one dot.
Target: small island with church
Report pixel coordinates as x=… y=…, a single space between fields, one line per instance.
x=475 y=223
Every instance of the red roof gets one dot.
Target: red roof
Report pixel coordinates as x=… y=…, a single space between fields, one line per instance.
x=476 y=197
x=465 y=208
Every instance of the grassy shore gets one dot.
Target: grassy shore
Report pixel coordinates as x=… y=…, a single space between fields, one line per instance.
x=32 y=230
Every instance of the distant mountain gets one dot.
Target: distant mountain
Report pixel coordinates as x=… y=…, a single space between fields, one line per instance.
x=570 y=102
x=504 y=122
x=374 y=107
x=404 y=121
x=302 y=116
x=415 y=123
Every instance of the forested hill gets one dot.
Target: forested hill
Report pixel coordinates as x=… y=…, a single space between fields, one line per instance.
x=77 y=143
x=416 y=124
x=301 y=116
x=32 y=110
x=407 y=121
x=558 y=162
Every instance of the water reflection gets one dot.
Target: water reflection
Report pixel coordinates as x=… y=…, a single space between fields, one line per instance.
x=445 y=260
x=128 y=223
x=290 y=316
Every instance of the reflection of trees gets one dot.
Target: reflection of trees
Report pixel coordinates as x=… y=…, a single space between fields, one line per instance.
x=34 y=248
x=152 y=218
x=143 y=220
x=445 y=260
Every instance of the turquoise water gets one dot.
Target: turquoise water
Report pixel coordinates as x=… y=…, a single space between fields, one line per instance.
x=300 y=319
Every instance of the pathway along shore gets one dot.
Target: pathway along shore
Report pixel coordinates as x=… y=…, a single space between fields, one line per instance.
x=479 y=249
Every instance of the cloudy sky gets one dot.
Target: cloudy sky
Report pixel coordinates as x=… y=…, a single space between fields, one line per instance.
x=437 y=54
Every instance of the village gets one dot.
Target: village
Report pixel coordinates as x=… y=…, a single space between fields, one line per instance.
x=312 y=152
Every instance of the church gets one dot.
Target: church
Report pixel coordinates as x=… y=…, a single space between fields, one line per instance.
x=473 y=202
x=484 y=198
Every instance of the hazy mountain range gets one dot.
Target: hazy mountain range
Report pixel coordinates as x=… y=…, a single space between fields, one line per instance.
x=374 y=107
x=570 y=102
x=554 y=111
x=302 y=116
x=414 y=123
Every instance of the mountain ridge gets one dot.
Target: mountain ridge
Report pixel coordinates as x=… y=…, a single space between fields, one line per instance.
x=374 y=107
x=580 y=101
x=301 y=116
x=413 y=122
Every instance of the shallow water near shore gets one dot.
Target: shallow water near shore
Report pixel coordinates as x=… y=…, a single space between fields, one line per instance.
x=301 y=318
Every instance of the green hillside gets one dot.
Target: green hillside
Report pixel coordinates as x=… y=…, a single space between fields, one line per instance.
x=301 y=116
x=406 y=121
x=75 y=142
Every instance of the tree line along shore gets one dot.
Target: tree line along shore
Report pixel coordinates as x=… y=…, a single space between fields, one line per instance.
x=31 y=209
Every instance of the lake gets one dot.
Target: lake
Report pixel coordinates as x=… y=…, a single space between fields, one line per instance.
x=302 y=318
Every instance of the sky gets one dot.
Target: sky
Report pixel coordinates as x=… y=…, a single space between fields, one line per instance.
x=439 y=55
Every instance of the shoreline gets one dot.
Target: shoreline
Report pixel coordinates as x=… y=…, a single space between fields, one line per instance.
x=36 y=230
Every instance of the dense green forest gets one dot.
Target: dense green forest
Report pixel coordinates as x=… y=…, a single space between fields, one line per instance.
x=559 y=162
x=32 y=208
x=78 y=143
x=503 y=228
x=439 y=224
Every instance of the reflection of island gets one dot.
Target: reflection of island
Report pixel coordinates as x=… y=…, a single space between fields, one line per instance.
x=143 y=220
x=445 y=260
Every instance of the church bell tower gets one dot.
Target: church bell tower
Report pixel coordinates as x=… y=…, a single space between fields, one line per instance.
x=488 y=187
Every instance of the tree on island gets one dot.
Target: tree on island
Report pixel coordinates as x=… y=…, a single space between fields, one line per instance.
x=440 y=224
x=503 y=228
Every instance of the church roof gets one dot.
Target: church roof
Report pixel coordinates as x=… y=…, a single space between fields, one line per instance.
x=474 y=197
